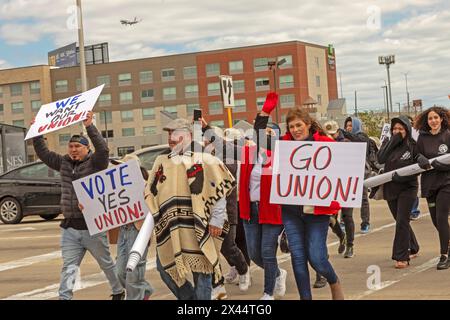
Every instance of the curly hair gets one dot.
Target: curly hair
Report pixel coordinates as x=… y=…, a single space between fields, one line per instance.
x=421 y=122
x=303 y=114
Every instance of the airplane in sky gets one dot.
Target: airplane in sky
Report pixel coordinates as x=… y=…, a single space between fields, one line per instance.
x=130 y=23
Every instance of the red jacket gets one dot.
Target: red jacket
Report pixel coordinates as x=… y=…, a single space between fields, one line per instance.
x=268 y=213
x=334 y=206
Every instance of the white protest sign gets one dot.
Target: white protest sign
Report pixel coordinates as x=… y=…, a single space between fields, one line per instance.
x=385 y=132
x=226 y=88
x=112 y=197
x=63 y=113
x=317 y=173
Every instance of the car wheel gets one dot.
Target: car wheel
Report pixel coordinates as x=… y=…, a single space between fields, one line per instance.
x=48 y=217
x=10 y=211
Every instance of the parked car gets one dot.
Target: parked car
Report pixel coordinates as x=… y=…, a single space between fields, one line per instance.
x=32 y=189
x=148 y=155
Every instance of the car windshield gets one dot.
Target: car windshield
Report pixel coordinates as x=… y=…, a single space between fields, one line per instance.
x=148 y=158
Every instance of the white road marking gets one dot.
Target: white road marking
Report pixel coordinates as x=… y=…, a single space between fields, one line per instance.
x=29 y=261
x=51 y=291
x=18 y=229
x=30 y=237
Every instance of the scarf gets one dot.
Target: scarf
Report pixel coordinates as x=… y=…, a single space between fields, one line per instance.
x=182 y=190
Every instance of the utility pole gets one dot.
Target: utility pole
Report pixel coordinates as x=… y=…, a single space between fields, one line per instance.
x=356 y=104
x=385 y=94
x=388 y=60
x=407 y=92
x=340 y=80
x=399 y=112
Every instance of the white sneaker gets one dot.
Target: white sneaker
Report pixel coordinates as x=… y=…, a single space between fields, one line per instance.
x=219 y=293
x=267 y=297
x=231 y=276
x=245 y=281
x=280 y=284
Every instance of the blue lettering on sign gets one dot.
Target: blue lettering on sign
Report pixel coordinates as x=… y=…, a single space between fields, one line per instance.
x=89 y=189
x=123 y=176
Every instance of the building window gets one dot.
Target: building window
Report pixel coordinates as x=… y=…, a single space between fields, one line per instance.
x=35 y=105
x=217 y=123
x=287 y=101
x=17 y=107
x=287 y=64
x=16 y=90
x=169 y=93
x=240 y=105
x=128 y=132
x=319 y=99
x=124 y=79
x=238 y=85
x=35 y=87
x=262 y=84
x=190 y=108
x=172 y=110
x=215 y=107
x=190 y=72
x=213 y=89
x=1 y=91
x=122 y=151
x=260 y=64
x=1 y=107
x=78 y=84
x=126 y=97
x=212 y=69
x=109 y=132
x=317 y=81
x=61 y=86
x=147 y=95
x=286 y=81
x=106 y=80
x=104 y=100
x=148 y=131
x=148 y=113
x=236 y=66
x=126 y=115
x=145 y=77
x=260 y=102
x=168 y=74
x=64 y=138
x=283 y=118
x=316 y=60
x=105 y=115
x=191 y=91
x=19 y=123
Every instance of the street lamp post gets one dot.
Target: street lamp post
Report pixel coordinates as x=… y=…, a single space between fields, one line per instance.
x=81 y=50
x=274 y=65
x=399 y=112
x=386 y=102
x=388 y=60
x=407 y=92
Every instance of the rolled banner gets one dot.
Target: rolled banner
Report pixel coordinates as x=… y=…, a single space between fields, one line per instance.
x=405 y=171
x=141 y=242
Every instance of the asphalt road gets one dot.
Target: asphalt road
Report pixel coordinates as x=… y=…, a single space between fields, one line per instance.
x=30 y=265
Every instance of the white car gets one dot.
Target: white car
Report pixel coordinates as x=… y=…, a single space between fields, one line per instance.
x=148 y=155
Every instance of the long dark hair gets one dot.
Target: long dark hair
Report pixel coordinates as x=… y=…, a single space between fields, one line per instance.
x=421 y=122
x=303 y=114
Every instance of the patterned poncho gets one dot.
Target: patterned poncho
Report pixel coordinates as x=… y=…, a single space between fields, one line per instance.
x=181 y=193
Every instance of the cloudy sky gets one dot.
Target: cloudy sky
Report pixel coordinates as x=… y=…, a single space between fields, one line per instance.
x=416 y=31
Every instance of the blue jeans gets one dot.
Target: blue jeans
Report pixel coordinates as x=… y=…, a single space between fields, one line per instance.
x=307 y=238
x=74 y=244
x=262 y=245
x=415 y=209
x=202 y=282
x=133 y=282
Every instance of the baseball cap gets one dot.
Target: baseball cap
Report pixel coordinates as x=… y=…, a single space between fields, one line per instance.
x=178 y=124
x=80 y=139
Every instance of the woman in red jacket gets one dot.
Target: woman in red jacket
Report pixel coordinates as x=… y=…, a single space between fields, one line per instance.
x=306 y=227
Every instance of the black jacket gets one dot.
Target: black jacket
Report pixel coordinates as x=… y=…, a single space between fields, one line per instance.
x=432 y=146
x=397 y=153
x=72 y=170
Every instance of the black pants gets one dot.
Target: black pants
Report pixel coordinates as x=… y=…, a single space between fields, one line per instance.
x=439 y=205
x=241 y=241
x=335 y=227
x=405 y=242
x=347 y=217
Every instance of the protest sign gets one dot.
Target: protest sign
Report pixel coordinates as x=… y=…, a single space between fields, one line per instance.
x=112 y=197
x=385 y=132
x=317 y=173
x=63 y=113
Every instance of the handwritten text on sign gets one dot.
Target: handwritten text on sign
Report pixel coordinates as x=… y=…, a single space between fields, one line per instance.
x=316 y=173
x=63 y=113
x=112 y=197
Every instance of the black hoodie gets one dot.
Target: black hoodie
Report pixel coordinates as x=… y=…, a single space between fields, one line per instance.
x=432 y=146
x=397 y=153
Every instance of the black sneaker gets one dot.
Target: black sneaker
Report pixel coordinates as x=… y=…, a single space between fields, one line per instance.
x=349 y=252
x=118 y=296
x=320 y=282
x=342 y=244
x=444 y=263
